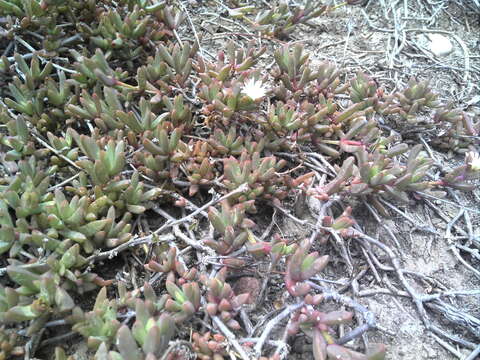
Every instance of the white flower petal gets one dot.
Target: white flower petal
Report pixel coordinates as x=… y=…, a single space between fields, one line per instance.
x=474 y=159
x=254 y=89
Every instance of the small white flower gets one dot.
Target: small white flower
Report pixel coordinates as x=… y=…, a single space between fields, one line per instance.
x=473 y=159
x=254 y=89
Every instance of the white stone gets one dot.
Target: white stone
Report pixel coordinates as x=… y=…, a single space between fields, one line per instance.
x=440 y=45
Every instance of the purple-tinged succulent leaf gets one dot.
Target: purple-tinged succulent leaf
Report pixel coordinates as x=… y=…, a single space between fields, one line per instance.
x=336 y=317
x=126 y=344
x=337 y=352
x=319 y=345
x=376 y=352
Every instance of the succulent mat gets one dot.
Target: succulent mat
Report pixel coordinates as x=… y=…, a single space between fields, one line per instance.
x=110 y=120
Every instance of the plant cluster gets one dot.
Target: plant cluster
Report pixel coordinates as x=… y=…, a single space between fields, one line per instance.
x=114 y=115
x=319 y=326
x=281 y=19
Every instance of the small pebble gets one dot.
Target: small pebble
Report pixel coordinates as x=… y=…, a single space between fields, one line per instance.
x=440 y=45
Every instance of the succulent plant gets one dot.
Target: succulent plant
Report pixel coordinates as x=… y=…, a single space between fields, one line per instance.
x=280 y=21
x=343 y=223
x=178 y=63
x=102 y=165
x=231 y=225
x=363 y=88
x=25 y=101
x=318 y=325
x=28 y=189
x=38 y=297
x=302 y=266
x=407 y=103
x=276 y=249
x=32 y=74
x=293 y=69
x=459 y=129
x=171 y=16
x=378 y=173
x=130 y=348
x=149 y=335
x=226 y=144
x=20 y=141
x=221 y=300
x=115 y=33
x=95 y=69
x=101 y=108
x=283 y=119
x=226 y=103
x=139 y=122
x=99 y=325
x=109 y=112
x=231 y=62
x=75 y=220
x=163 y=153
x=7 y=231
x=327 y=81
x=27 y=9
x=381 y=175
x=182 y=302
x=64 y=148
x=460 y=177
x=262 y=177
x=199 y=174
x=171 y=264
x=209 y=346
